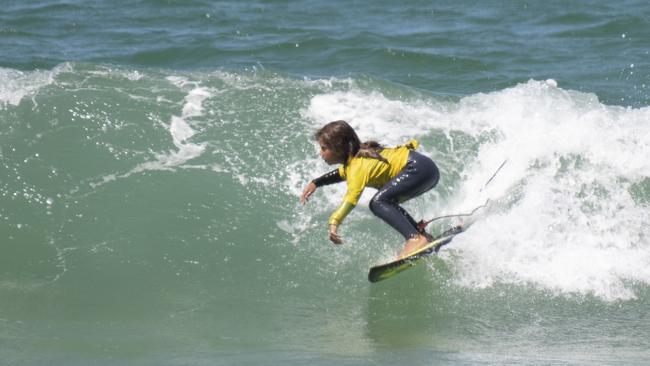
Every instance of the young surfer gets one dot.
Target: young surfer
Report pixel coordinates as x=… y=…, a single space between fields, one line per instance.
x=399 y=173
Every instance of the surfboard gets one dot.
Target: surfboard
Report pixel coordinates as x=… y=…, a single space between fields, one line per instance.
x=390 y=269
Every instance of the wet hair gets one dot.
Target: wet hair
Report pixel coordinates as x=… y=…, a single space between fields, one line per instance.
x=340 y=137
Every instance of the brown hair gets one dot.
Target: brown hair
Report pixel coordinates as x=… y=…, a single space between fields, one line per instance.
x=340 y=137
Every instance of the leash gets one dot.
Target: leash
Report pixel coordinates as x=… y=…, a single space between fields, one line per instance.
x=424 y=223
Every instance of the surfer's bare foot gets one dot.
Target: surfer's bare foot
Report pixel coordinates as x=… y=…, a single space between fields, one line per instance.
x=413 y=245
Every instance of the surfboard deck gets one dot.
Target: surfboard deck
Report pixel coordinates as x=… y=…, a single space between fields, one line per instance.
x=390 y=269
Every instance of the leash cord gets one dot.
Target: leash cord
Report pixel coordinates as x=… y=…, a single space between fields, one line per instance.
x=423 y=224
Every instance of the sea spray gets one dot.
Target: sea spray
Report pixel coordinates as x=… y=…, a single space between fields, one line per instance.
x=566 y=220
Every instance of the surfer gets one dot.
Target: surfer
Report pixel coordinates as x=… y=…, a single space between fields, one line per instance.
x=399 y=173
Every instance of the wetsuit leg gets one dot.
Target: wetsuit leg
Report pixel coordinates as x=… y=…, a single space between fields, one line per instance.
x=407 y=215
x=419 y=175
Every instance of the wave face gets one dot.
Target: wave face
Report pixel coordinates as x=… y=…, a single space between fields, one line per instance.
x=147 y=212
x=152 y=153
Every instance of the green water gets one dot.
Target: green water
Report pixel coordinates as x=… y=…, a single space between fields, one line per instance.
x=152 y=155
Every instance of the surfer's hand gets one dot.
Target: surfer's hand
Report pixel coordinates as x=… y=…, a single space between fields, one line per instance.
x=334 y=237
x=308 y=191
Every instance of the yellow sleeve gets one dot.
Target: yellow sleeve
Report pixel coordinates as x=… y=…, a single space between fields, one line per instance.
x=356 y=181
x=337 y=216
x=357 y=177
x=349 y=202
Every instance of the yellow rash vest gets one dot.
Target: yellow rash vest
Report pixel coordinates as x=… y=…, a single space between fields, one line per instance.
x=361 y=172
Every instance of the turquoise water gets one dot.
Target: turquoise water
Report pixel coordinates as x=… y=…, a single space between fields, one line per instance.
x=152 y=154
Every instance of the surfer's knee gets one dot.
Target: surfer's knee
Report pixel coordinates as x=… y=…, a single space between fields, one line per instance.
x=378 y=205
x=375 y=205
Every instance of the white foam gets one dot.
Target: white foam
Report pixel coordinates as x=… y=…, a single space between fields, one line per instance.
x=571 y=225
x=180 y=129
x=564 y=218
x=373 y=115
x=16 y=85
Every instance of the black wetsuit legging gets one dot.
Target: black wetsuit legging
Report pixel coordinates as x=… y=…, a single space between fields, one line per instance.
x=419 y=175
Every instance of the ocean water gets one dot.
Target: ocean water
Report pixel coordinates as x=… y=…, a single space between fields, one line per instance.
x=152 y=154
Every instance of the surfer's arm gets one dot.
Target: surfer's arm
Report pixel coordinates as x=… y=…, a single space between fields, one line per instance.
x=356 y=184
x=335 y=220
x=328 y=178
x=337 y=216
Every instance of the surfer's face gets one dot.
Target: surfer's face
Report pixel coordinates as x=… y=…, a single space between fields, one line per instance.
x=327 y=154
